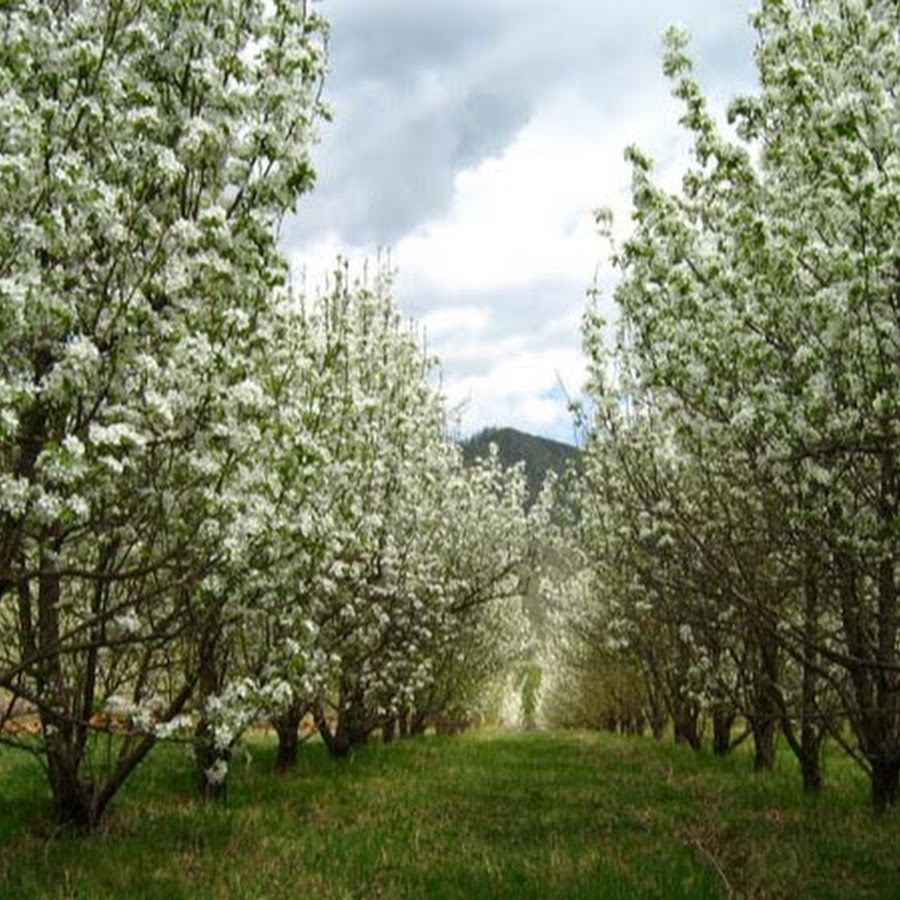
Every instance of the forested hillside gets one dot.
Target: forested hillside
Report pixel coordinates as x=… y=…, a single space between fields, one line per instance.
x=539 y=454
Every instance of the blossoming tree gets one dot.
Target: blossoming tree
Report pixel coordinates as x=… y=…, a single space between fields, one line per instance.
x=147 y=153
x=759 y=316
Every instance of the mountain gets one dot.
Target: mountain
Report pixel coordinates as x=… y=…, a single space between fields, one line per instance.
x=539 y=454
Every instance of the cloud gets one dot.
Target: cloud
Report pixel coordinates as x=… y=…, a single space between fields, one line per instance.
x=420 y=90
x=452 y=321
x=473 y=139
x=494 y=375
x=520 y=389
x=526 y=215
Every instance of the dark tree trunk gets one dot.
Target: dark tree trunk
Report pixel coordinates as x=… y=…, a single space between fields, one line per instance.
x=657 y=713
x=885 y=775
x=723 y=722
x=418 y=724
x=765 y=696
x=324 y=729
x=352 y=728
x=287 y=727
x=806 y=748
x=687 y=726
x=764 y=731
x=389 y=730
x=873 y=674
x=811 y=732
x=347 y=736
x=349 y=731
x=73 y=795
x=886 y=761
x=209 y=758
x=403 y=723
x=811 y=770
x=73 y=792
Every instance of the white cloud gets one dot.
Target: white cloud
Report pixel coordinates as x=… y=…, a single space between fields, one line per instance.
x=519 y=388
x=496 y=263
x=455 y=320
x=522 y=216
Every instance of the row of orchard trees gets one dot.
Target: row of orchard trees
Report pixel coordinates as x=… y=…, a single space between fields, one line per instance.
x=741 y=511
x=218 y=502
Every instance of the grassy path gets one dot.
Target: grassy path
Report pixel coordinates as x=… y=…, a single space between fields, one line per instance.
x=484 y=815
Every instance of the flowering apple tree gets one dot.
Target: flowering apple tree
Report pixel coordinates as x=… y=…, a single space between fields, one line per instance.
x=147 y=154
x=759 y=319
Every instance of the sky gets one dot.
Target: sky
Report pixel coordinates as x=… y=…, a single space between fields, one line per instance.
x=471 y=142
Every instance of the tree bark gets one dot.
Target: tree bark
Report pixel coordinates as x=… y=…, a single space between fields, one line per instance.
x=723 y=722
x=687 y=725
x=418 y=724
x=72 y=792
x=324 y=729
x=765 y=710
x=287 y=727
x=873 y=672
x=207 y=754
x=885 y=777
x=764 y=730
x=73 y=795
x=207 y=757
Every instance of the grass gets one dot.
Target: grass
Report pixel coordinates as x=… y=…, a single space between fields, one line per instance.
x=484 y=815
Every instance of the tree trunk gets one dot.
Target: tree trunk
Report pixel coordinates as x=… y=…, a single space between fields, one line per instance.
x=876 y=688
x=811 y=769
x=885 y=775
x=349 y=731
x=73 y=793
x=73 y=796
x=211 y=760
x=723 y=721
x=324 y=729
x=811 y=733
x=212 y=765
x=418 y=724
x=763 y=729
x=687 y=726
x=765 y=699
x=656 y=708
x=806 y=749
x=352 y=727
x=342 y=743
x=389 y=729
x=287 y=727
x=886 y=761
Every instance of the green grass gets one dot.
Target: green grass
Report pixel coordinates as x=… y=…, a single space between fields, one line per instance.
x=477 y=816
